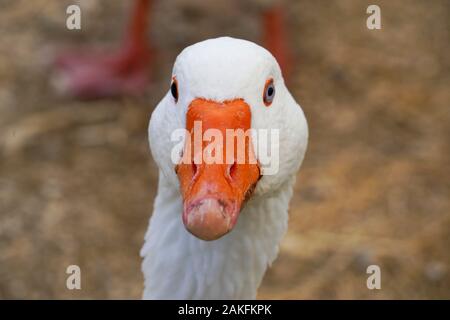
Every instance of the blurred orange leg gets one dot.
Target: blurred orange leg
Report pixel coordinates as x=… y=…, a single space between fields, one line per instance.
x=275 y=37
x=90 y=75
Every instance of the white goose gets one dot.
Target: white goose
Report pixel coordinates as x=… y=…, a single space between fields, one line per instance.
x=216 y=228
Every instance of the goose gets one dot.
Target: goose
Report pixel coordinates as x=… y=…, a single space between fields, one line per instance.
x=215 y=227
x=91 y=74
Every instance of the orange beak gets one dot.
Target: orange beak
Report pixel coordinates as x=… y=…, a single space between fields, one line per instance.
x=216 y=177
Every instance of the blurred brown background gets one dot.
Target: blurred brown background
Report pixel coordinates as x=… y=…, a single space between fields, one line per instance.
x=77 y=181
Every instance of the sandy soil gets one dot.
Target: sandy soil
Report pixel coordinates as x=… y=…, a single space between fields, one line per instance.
x=77 y=181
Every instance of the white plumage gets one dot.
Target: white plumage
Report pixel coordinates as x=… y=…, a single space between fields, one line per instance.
x=177 y=265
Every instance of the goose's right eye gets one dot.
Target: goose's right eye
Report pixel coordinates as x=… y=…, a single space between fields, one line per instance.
x=174 y=89
x=269 y=92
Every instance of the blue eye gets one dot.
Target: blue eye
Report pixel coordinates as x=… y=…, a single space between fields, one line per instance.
x=269 y=92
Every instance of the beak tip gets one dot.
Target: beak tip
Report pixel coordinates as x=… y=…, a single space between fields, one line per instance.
x=209 y=219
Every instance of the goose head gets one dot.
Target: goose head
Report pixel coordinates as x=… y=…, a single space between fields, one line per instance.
x=220 y=87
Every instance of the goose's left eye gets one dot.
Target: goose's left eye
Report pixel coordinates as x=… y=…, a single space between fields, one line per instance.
x=269 y=92
x=174 y=89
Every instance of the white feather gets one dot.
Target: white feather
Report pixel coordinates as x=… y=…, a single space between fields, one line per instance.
x=178 y=265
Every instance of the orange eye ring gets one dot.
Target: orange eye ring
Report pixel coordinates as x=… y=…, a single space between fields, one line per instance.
x=269 y=92
x=174 y=89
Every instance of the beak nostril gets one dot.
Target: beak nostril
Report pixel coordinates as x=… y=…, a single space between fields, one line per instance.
x=194 y=170
x=232 y=170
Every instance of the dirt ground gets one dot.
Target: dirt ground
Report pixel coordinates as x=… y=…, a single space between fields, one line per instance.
x=77 y=181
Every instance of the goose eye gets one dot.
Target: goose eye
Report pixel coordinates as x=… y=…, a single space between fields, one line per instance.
x=269 y=92
x=174 y=89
